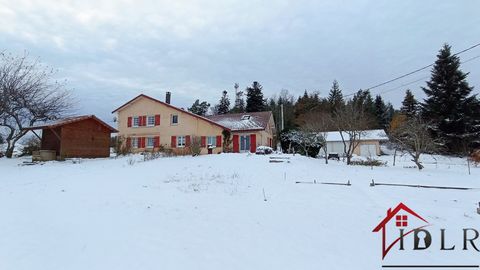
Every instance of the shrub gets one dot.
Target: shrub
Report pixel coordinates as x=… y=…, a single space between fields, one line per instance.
x=227 y=141
x=151 y=155
x=121 y=148
x=369 y=162
x=196 y=146
x=30 y=144
x=475 y=156
x=162 y=151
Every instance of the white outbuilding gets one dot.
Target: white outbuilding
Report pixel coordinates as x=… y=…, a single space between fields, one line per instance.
x=368 y=146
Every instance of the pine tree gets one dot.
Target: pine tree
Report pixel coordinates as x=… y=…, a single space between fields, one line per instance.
x=199 y=108
x=409 y=105
x=255 y=101
x=381 y=112
x=224 y=104
x=453 y=112
x=363 y=99
x=335 y=97
x=239 y=105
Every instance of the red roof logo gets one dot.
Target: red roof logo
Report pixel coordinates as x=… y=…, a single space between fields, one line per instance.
x=399 y=220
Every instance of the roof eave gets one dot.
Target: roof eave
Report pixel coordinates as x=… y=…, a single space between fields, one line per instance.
x=173 y=107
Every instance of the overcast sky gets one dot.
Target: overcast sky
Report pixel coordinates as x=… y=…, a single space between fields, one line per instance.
x=110 y=51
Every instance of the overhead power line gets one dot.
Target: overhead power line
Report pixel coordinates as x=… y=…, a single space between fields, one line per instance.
x=422 y=78
x=419 y=69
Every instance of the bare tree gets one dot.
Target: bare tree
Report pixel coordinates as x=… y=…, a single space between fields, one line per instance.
x=319 y=123
x=351 y=121
x=306 y=139
x=28 y=95
x=413 y=137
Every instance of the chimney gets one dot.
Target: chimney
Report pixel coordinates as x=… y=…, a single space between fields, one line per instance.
x=167 y=97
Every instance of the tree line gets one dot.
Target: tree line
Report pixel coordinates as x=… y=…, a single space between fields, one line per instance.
x=254 y=102
x=446 y=121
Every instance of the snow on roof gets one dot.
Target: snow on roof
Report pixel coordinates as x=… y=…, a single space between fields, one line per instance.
x=240 y=121
x=69 y=120
x=374 y=134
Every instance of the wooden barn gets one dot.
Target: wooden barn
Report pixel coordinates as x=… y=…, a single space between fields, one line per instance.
x=75 y=137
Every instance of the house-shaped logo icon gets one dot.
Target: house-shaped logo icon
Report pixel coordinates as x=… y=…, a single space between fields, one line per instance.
x=399 y=217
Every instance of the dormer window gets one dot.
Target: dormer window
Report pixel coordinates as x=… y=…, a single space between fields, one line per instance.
x=245 y=117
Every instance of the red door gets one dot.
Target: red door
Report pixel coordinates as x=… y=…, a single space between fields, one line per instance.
x=253 y=143
x=236 y=148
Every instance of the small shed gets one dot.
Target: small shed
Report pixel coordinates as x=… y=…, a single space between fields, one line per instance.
x=75 y=137
x=368 y=143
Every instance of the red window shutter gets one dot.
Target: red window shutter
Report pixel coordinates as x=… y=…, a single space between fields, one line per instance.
x=129 y=142
x=219 y=141
x=203 y=141
x=253 y=143
x=144 y=120
x=156 y=141
x=129 y=121
x=142 y=142
x=236 y=148
x=157 y=120
x=187 y=141
x=174 y=142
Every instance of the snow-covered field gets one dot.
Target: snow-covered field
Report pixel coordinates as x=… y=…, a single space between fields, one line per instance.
x=209 y=212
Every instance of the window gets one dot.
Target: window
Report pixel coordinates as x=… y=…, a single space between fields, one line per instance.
x=180 y=141
x=211 y=141
x=174 y=119
x=136 y=121
x=135 y=142
x=151 y=121
x=401 y=220
x=245 y=117
x=150 y=142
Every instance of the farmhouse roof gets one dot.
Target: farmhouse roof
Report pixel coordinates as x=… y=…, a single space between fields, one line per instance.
x=170 y=106
x=251 y=121
x=70 y=120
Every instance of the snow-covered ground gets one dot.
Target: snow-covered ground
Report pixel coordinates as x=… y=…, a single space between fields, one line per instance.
x=209 y=212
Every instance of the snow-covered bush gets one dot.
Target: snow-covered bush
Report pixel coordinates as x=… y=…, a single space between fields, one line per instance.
x=308 y=143
x=2 y=141
x=151 y=155
x=368 y=162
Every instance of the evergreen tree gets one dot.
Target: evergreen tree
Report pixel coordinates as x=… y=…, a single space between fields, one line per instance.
x=335 y=97
x=381 y=112
x=363 y=99
x=239 y=105
x=255 y=101
x=223 y=106
x=409 y=105
x=275 y=104
x=199 y=108
x=453 y=112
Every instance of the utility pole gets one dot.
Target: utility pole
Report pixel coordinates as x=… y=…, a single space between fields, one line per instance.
x=281 y=116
